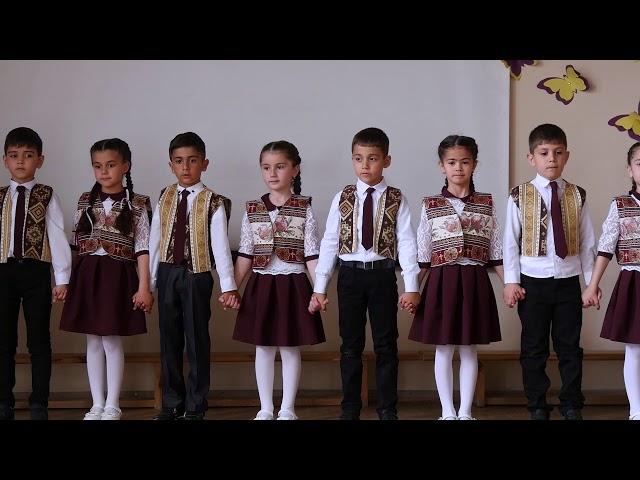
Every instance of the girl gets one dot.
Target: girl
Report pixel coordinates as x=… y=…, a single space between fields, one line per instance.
x=458 y=237
x=279 y=235
x=111 y=234
x=621 y=235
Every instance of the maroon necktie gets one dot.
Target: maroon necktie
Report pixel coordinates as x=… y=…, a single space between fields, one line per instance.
x=17 y=231
x=556 y=217
x=367 y=220
x=181 y=229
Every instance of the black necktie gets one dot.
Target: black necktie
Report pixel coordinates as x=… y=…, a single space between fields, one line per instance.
x=19 y=227
x=367 y=220
x=181 y=229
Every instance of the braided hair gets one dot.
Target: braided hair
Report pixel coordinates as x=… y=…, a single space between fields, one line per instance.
x=291 y=153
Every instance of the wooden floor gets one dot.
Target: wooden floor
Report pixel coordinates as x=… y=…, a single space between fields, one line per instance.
x=406 y=411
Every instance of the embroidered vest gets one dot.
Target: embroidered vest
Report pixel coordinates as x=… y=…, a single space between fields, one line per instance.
x=455 y=236
x=198 y=242
x=105 y=234
x=285 y=235
x=35 y=240
x=384 y=227
x=535 y=218
x=628 y=247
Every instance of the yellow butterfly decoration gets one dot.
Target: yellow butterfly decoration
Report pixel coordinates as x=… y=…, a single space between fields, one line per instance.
x=565 y=87
x=628 y=123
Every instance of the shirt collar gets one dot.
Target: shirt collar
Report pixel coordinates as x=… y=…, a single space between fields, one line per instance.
x=197 y=188
x=544 y=182
x=269 y=204
x=28 y=185
x=446 y=193
x=116 y=197
x=362 y=187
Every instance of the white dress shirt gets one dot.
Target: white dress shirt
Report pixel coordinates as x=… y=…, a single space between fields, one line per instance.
x=54 y=221
x=219 y=241
x=549 y=265
x=405 y=237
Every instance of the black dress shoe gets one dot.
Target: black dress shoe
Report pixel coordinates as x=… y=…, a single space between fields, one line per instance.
x=349 y=416
x=573 y=414
x=39 y=413
x=193 y=416
x=168 y=414
x=7 y=413
x=540 y=414
x=388 y=415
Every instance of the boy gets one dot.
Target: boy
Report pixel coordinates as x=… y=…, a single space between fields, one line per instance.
x=548 y=241
x=32 y=240
x=189 y=227
x=369 y=224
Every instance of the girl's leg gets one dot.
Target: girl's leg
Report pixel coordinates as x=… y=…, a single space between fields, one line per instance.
x=265 y=359
x=632 y=378
x=291 y=366
x=115 y=371
x=468 y=376
x=444 y=379
x=95 y=371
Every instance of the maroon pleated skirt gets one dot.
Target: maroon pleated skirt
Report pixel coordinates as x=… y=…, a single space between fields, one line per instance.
x=622 y=320
x=99 y=298
x=457 y=307
x=274 y=312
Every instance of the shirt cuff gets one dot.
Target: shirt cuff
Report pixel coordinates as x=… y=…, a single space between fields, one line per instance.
x=245 y=255
x=411 y=284
x=320 y=284
x=511 y=277
x=227 y=284
x=62 y=278
x=494 y=263
x=142 y=252
x=311 y=257
x=424 y=264
x=605 y=254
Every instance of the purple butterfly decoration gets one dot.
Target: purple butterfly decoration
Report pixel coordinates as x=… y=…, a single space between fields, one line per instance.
x=629 y=123
x=515 y=66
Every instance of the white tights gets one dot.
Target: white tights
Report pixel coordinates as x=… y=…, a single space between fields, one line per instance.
x=291 y=366
x=97 y=348
x=632 y=377
x=444 y=377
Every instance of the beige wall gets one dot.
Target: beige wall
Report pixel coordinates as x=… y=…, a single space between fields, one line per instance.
x=597 y=162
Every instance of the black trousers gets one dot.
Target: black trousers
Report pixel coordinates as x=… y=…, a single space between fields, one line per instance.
x=28 y=282
x=184 y=309
x=551 y=306
x=375 y=291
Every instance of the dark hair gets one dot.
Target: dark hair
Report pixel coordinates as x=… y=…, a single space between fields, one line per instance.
x=124 y=223
x=291 y=152
x=371 y=137
x=632 y=150
x=188 y=139
x=545 y=133
x=23 y=137
x=453 y=141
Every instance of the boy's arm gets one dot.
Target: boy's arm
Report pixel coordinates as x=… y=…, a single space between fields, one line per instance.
x=511 y=244
x=328 y=248
x=407 y=248
x=587 y=244
x=154 y=247
x=58 y=242
x=221 y=251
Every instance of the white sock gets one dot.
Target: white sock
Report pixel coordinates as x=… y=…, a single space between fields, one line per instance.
x=291 y=366
x=468 y=376
x=632 y=376
x=265 y=359
x=95 y=368
x=115 y=368
x=444 y=378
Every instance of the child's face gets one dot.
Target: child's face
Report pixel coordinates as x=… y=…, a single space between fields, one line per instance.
x=278 y=171
x=187 y=164
x=458 y=165
x=549 y=159
x=22 y=162
x=634 y=167
x=109 y=168
x=368 y=163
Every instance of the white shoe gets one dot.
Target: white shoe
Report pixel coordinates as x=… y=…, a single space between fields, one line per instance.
x=111 y=413
x=635 y=416
x=466 y=417
x=286 y=415
x=95 y=413
x=449 y=417
x=264 y=415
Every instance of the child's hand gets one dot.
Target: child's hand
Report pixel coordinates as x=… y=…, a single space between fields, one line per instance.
x=318 y=301
x=230 y=299
x=142 y=300
x=512 y=294
x=59 y=293
x=409 y=301
x=591 y=297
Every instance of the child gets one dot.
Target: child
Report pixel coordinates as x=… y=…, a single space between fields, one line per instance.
x=548 y=241
x=458 y=238
x=111 y=236
x=279 y=236
x=368 y=226
x=188 y=230
x=32 y=239
x=620 y=235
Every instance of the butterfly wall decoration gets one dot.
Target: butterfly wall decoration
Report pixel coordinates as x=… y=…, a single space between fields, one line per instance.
x=629 y=123
x=565 y=87
x=515 y=66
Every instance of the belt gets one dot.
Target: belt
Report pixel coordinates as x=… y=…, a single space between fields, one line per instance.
x=23 y=260
x=376 y=264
